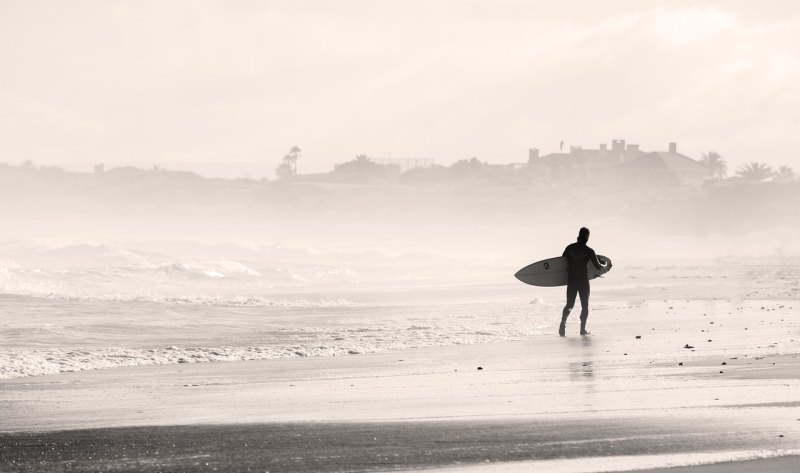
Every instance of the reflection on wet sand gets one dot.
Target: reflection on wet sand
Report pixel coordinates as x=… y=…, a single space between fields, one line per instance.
x=581 y=371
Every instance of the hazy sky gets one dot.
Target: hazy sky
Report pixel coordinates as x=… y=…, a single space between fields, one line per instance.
x=243 y=81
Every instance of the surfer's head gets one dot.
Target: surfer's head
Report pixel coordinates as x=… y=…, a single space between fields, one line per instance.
x=583 y=235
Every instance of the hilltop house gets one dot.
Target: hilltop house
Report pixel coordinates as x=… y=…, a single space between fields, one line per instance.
x=621 y=164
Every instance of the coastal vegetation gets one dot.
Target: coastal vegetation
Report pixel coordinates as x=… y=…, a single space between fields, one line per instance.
x=361 y=190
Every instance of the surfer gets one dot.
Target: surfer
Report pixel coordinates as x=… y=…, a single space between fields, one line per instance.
x=578 y=256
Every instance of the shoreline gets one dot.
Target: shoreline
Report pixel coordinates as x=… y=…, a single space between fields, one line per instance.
x=543 y=376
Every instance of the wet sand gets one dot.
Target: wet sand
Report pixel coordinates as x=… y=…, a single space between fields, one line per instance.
x=518 y=445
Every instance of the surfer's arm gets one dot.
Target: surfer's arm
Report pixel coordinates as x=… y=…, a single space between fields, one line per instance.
x=596 y=261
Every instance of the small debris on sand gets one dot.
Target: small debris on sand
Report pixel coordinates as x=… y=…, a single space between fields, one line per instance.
x=687 y=346
x=638 y=337
x=480 y=368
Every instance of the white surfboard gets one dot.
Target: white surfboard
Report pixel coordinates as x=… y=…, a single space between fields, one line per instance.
x=553 y=272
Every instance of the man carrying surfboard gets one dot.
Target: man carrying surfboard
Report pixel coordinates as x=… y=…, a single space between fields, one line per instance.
x=578 y=256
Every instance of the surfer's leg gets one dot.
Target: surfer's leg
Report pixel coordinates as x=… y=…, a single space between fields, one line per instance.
x=583 y=291
x=572 y=291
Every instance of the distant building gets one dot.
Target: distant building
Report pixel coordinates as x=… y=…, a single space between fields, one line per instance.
x=664 y=168
x=404 y=163
x=99 y=168
x=620 y=163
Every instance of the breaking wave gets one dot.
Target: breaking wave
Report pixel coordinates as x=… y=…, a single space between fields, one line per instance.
x=315 y=342
x=99 y=272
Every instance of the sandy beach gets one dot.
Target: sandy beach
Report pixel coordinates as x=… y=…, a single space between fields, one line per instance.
x=315 y=236
x=659 y=384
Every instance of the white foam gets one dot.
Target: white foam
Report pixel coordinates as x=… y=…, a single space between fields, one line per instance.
x=36 y=363
x=392 y=331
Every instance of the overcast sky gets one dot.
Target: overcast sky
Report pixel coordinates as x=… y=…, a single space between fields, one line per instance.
x=243 y=81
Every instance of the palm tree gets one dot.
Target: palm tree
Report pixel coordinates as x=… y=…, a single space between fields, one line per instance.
x=785 y=174
x=715 y=164
x=754 y=171
x=294 y=153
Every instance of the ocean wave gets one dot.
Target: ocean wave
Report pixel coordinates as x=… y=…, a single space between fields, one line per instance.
x=231 y=300
x=202 y=281
x=36 y=363
x=168 y=259
x=307 y=342
x=211 y=268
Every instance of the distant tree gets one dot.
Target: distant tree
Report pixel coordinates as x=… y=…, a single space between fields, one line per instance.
x=425 y=174
x=754 y=171
x=28 y=164
x=285 y=169
x=288 y=167
x=715 y=164
x=467 y=168
x=785 y=174
x=363 y=165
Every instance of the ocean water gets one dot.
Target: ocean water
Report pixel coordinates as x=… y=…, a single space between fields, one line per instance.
x=72 y=306
x=78 y=306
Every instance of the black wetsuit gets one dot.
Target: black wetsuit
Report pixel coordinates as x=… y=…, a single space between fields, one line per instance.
x=578 y=257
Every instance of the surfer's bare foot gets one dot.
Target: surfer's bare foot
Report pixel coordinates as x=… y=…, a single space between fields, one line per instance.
x=562 y=329
x=585 y=333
